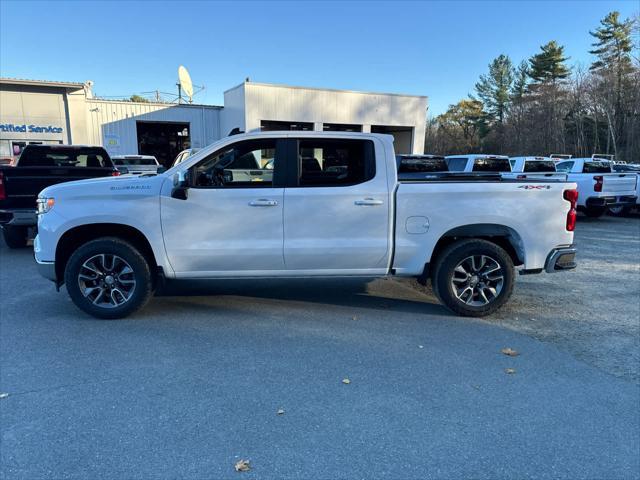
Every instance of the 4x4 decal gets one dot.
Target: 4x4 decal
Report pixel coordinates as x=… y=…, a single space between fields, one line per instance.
x=535 y=187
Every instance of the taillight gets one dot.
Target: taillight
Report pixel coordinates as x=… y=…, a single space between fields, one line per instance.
x=115 y=173
x=572 y=215
x=598 y=186
x=3 y=194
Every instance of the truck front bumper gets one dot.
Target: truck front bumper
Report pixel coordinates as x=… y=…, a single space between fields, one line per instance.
x=26 y=217
x=47 y=270
x=562 y=258
x=611 y=201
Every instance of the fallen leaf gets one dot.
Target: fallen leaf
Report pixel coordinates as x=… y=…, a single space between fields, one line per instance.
x=280 y=411
x=346 y=381
x=420 y=346
x=510 y=371
x=242 y=466
x=510 y=351
x=3 y=395
x=354 y=318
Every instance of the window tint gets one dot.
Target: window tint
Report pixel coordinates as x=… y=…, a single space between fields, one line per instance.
x=596 y=167
x=539 y=166
x=491 y=165
x=421 y=164
x=335 y=162
x=564 y=167
x=457 y=164
x=135 y=161
x=43 y=157
x=244 y=164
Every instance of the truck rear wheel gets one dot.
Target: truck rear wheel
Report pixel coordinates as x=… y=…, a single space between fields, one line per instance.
x=473 y=278
x=15 y=237
x=108 y=278
x=595 y=212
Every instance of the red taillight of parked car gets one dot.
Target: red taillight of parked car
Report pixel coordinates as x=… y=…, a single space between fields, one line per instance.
x=598 y=186
x=115 y=173
x=3 y=194
x=572 y=197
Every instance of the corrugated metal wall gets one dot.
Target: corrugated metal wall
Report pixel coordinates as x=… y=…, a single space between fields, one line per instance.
x=113 y=123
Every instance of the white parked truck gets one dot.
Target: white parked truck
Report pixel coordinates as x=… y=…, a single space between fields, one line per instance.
x=534 y=168
x=478 y=163
x=315 y=204
x=599 y=187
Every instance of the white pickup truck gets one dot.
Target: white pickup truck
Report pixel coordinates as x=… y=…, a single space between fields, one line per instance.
x=599 y=188
x=478 y=163
x=317 y=204
x=534 y=168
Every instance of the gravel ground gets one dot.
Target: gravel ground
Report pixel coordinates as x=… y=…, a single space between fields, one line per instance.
x=193 y=383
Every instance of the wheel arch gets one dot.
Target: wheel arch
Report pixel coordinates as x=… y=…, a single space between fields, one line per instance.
x=502 y=235
x=77 y=236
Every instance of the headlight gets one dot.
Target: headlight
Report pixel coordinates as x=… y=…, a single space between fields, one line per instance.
x=45 y=204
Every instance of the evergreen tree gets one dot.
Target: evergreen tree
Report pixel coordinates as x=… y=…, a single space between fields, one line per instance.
x=549 y=64
x=494 y=88
x=520 y=81
x=613 y=44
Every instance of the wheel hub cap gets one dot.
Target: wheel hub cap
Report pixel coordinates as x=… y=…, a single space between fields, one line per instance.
x=106 y=280
x=477 y=280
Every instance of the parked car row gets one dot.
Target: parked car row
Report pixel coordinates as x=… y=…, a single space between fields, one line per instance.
x=603 y=185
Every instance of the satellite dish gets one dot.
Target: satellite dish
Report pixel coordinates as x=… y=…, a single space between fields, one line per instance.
x=185 y=82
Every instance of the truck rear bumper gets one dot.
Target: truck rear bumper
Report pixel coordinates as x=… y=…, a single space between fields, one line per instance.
x=26 y=217
x=611 y=201
x=561 y=259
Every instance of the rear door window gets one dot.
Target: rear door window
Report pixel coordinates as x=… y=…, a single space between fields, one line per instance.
x=335 y=162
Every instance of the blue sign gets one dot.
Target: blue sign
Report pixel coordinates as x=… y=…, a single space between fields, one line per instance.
x=10 y=127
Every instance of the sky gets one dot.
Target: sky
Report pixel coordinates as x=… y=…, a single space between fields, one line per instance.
x=432 y=48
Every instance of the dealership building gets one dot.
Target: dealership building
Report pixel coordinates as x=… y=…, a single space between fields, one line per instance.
x=35 y=111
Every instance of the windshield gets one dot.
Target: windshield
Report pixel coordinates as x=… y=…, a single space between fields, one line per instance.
x=596 y=167
x=539 y=166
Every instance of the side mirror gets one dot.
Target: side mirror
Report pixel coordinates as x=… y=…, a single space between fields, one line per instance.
x=180 y=185
x=161 y=169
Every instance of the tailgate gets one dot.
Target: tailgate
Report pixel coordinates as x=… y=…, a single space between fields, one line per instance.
x=23 y=184
x=619 y=182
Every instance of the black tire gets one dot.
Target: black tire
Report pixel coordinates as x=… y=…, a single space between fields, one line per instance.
x=15 y=237
x=495 y=292
x=119 y=255
x=619 y=211
x=595 y=212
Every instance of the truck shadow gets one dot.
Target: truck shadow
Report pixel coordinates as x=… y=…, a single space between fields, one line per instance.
x=382 y=295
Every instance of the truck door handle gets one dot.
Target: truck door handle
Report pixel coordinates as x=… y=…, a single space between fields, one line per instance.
x=263 y=202
x=368 y=202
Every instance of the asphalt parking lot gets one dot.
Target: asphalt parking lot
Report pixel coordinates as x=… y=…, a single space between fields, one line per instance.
x=194 y=383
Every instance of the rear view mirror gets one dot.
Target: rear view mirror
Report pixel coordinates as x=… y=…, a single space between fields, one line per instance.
x=180 y=185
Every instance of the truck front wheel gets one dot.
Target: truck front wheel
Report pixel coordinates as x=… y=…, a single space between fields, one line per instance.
x=108 y=278
x=473 y=278
x=15 y=237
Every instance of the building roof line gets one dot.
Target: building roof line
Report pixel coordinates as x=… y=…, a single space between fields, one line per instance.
x=41 y=83
x=162 y=104
x=281 y=85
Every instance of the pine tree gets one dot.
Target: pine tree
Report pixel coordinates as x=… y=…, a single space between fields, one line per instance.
x=520 y=81
x=613 y=44
x=494 y=88
x=549 y=65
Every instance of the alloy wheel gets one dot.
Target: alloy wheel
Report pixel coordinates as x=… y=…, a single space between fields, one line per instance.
x=106 y=280
x=477 y=280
